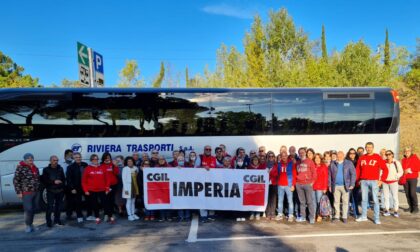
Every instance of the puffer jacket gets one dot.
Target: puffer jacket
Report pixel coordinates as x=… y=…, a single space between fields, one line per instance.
x=26 y=179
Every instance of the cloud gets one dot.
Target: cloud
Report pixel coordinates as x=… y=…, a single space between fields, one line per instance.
x=223 y=9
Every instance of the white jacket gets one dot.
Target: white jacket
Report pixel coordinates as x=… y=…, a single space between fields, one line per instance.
x=395 y=170
x=126 y=179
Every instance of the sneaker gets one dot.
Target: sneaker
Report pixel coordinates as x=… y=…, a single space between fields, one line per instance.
x=152 y=218
x=243 y=219
x=131 y=218
x=386 y=213
x=90 y=218
x=79 y=220
x=334 y=220
x=300 y=219
x=213 y=219
x=377 y=222
x=290 y=219
x=28 y=229
x=106 y=218
x=279 y=217
x=205 y=219
x=146 y=218
x=345 y=221
x=238 y=219
x=161 y=219
x=252 y=217
x=136 y=217
x=396 y=215
x=311 y=221
x=360 y=219
x=264 y=215
x=257 y=217
x=111 y=220
x=98 y=221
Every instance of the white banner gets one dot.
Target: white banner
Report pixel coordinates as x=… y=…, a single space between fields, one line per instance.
x=198 y=188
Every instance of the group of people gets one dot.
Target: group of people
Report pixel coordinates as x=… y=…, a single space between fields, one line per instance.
x=300 y=181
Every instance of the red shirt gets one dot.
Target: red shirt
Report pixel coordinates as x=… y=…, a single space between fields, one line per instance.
x=369 y=166
x=258 y=167
x=306 y=173
x=207 y=161
x=321 y=182
x=112 y=173
x=413 y=163
x=282 y=179
x=95 y=179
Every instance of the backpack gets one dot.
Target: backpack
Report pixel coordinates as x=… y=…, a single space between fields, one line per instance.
x=325 y=206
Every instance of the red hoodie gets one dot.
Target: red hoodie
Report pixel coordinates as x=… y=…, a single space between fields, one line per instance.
x=112 y=173
x=306 y=172
x=321 y=182
x=95 y=179
x=369 y=166
x=207 y=161
x=413 y=163
x=282 y=180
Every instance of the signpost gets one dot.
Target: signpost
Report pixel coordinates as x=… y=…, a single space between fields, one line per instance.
x=91 y=66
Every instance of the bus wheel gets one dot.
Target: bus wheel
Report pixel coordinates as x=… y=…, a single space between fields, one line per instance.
x=43 y=199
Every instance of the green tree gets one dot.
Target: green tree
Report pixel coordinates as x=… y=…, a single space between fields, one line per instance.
x=129 y=75
x=415 y=62
x=11 y=74
x=255 y=54
x=187 y=77
x=71 y=83
x=324 y=45
x=358 y=66
x=387 y=56
x=283 y=36
x=157 y=83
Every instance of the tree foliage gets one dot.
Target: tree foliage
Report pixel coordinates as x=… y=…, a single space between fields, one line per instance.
x=11 y=74
x=130 y=75
x=324 y=44
x=157 y=83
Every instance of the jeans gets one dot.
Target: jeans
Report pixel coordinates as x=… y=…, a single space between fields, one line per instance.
x=30 y=201
x=130 y=206
x=390 y=190
x=317 y=194
x=184 y=214
x=54 y=201
x=354 y=196
x=305 y=197
x=340 y=194
x=289 y=194
x=366 y=186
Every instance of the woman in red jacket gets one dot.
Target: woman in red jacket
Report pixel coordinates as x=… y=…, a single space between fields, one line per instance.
x=112 y=172
x=411 y=167
x=95 y=185
x=320 y=185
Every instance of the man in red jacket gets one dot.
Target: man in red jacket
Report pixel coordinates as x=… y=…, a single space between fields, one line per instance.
x=305 y=178
x=369 y=169
x=206 y=161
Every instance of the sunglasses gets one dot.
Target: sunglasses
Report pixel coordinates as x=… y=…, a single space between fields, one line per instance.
x=207 y=149
x=260 y=151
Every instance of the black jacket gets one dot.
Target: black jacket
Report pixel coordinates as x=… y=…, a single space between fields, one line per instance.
x=74 y=176
x=49 y=175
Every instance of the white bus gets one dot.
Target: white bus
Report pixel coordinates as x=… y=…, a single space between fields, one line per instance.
x=47 y=121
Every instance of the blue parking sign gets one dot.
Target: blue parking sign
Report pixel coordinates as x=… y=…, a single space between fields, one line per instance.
x=98 y=62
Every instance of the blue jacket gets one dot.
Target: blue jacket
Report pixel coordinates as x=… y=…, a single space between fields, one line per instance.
x=349 y=175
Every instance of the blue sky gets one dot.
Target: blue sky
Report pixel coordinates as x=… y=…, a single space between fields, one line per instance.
x=42 y=35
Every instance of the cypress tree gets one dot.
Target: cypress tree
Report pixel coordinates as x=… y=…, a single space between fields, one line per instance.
x=324 y=45
x=386 y=50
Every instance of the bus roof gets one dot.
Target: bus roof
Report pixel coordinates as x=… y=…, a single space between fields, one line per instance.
x=190 y=90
